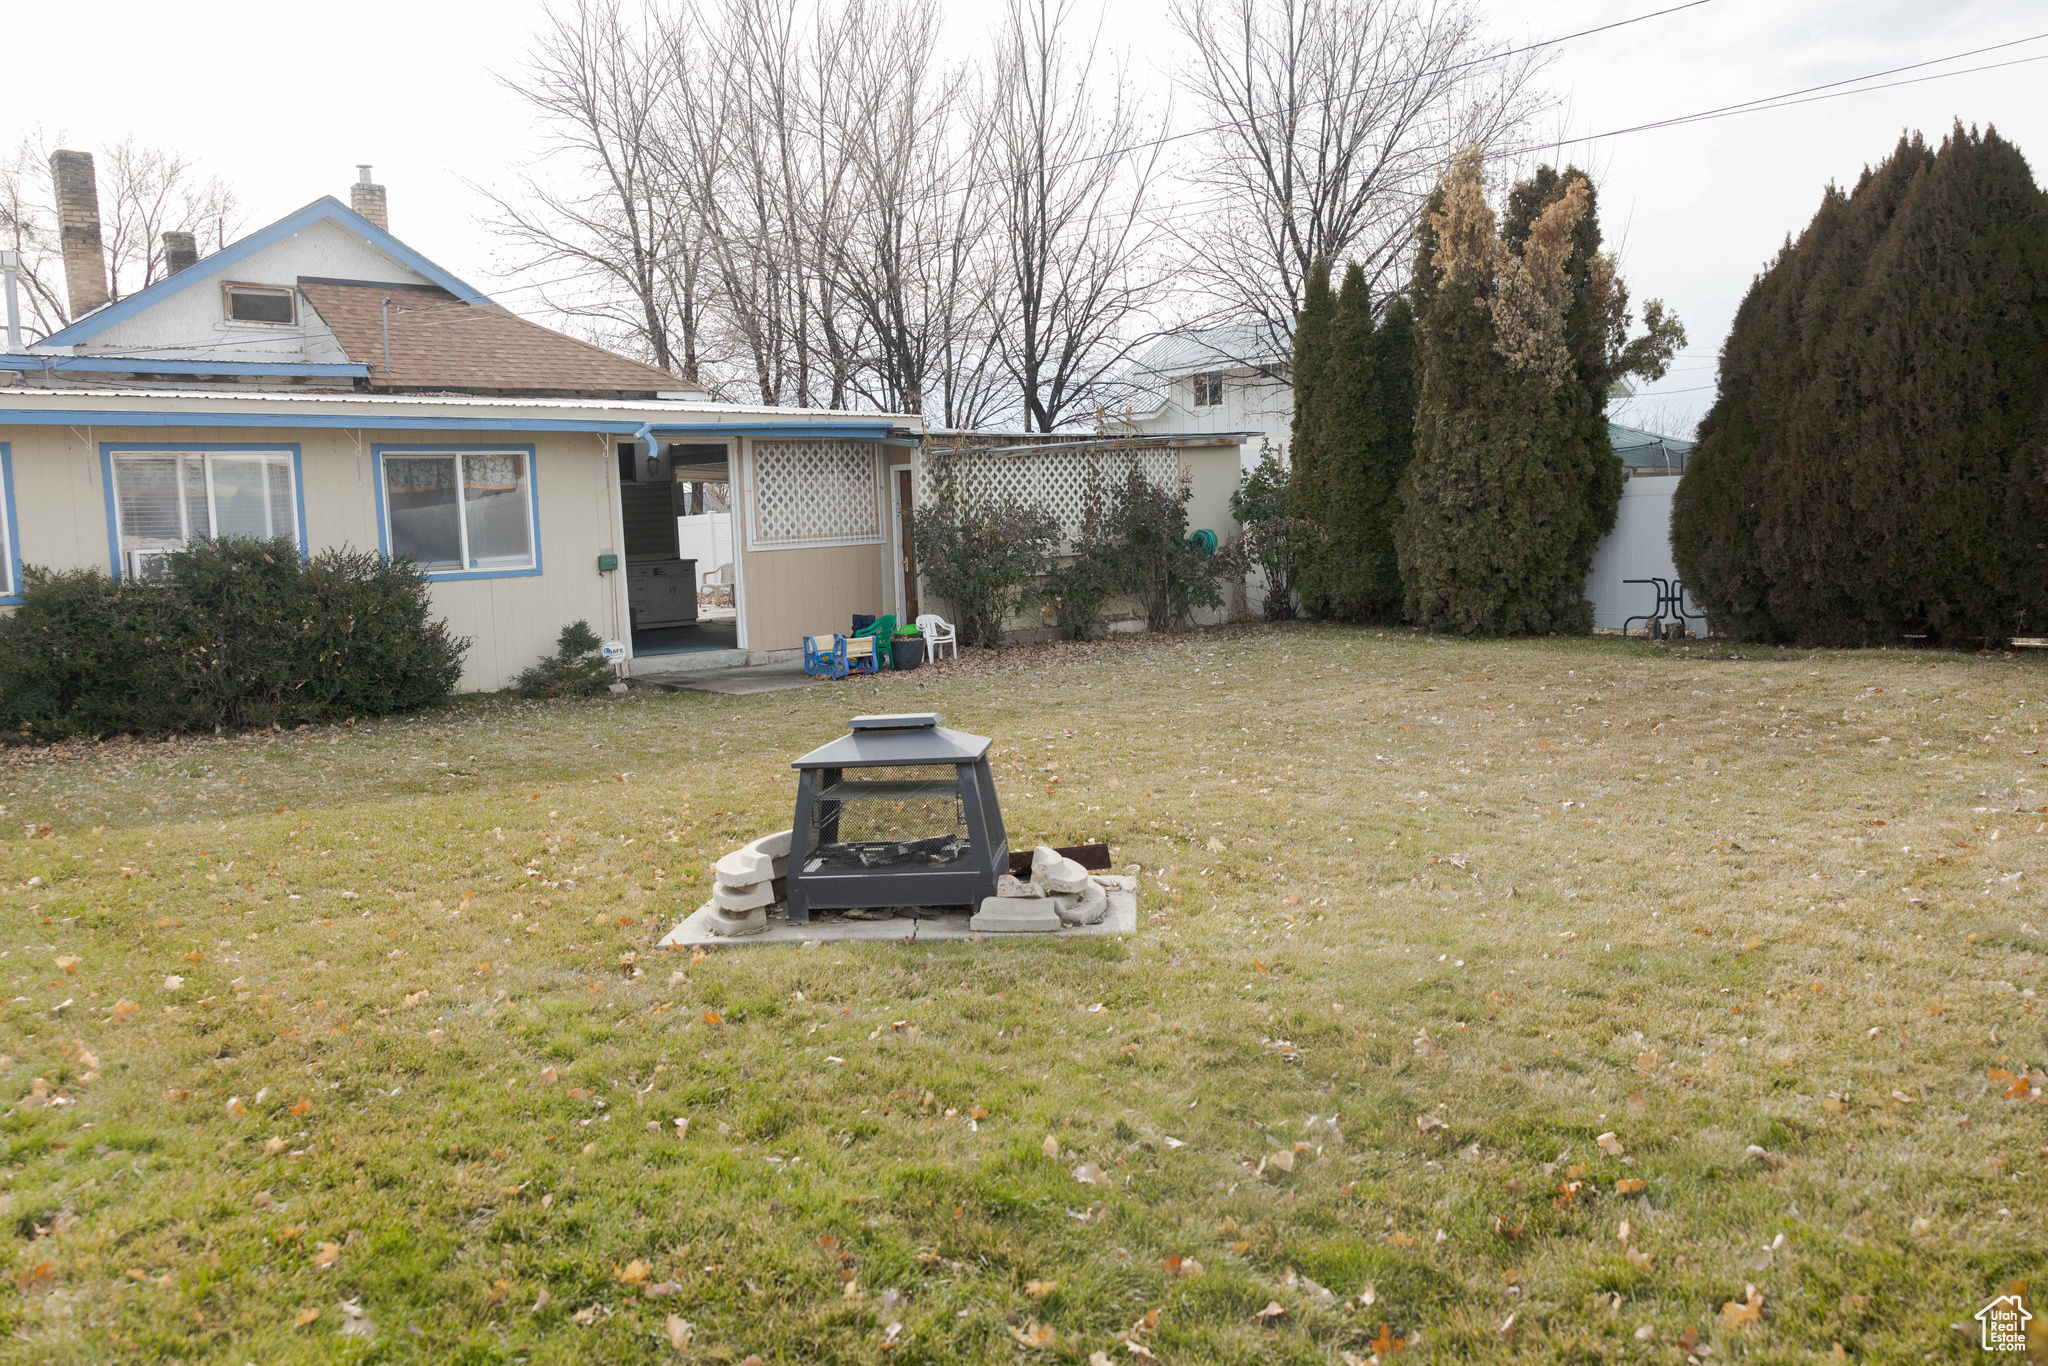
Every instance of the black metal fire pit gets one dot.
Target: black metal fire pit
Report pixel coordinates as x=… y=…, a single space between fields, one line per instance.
x=900 y=812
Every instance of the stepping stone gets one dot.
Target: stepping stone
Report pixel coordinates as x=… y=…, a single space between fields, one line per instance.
x=1015 y=915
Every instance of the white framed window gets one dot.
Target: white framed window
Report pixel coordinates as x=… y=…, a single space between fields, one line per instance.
x=1209 y=390
x=262 y=304
x=460 y=512
x=164 y=500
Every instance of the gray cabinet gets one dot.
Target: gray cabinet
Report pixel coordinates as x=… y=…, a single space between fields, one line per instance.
x=661 y=593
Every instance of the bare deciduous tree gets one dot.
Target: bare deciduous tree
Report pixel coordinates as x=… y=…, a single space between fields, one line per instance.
x=148 y=191
x=1076 y=171
x=28 y=225
x=1330 y=121
x=600 y=81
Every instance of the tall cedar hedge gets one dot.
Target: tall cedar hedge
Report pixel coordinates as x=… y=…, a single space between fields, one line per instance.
x=1520 y=334
x=1874 y=465
x=1348 y=472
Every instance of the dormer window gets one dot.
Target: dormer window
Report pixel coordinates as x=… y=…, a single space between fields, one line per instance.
x=1209 y=390
x=262 y=304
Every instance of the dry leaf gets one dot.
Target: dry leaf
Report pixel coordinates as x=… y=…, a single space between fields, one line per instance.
x=1639 y=1260
x=713 y=1017
x=327 y=1256
x=1428 y=1123
x=585 y=1316
x=1284 y=1159
x=69 y=962
x=173 y=982
x=1400 y=1239
x=1051 y=1146
x=304 y=1317
x=1273 y=1310
x=262 y=1200
x=1368 y=1296
x=540 y=1301
x=1609 y=1144
x=1099 y=1359
x=1922 y=1227
x=1630 y=1185
x=1737 y=1314
x=978 y=1112
x=1038 y=1290
x=1088 y=1174
x=680 y=1331
x=1037 y=1336
x=1177 y=1265
x=301 y=1106
x=273 y=1146
x=1622 y=1231
x=237 y=1110
x=632 y=1273
x=291 y=1233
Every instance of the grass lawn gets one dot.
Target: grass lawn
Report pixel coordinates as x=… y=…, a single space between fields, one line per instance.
x=1507 y=1001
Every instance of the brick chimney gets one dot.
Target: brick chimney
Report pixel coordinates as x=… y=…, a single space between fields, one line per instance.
x=78 y=221
x=181 y=249
x=367 y=198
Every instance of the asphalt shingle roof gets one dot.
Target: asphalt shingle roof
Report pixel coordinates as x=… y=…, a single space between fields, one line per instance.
x=441 y=342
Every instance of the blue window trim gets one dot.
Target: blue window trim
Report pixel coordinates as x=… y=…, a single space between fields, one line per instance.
x=464 y=421
x=109 y=449
x=377 y=454
x=13 y=527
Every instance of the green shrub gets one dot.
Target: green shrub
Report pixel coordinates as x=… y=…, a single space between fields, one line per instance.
x=1082 y=583
x=1152 y=558
x=236 y=633
x=1273 y=540
x=981 y=555
x=577 y=668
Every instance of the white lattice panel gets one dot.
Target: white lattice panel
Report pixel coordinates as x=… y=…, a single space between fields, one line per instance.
x=1056 y=482
x=814 y=493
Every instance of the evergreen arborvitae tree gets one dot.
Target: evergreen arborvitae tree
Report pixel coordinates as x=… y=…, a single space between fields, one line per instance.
x=1367 y=427
x=1518 y=341
x=1343 y=433
x=1311 y=359
x=1873 y=466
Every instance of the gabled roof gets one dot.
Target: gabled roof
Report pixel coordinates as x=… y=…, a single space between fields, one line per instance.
x=437 y=340
x=211 y=267
x=1229 y=346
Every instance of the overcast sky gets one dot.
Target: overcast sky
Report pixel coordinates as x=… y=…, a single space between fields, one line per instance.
x=282 y=101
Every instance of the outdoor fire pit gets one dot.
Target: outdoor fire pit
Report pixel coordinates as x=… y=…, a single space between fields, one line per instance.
x=899 y=812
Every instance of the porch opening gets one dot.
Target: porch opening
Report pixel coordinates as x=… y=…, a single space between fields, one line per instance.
x=676 y=501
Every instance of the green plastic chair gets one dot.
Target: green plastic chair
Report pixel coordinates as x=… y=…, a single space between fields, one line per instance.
x=880 y=632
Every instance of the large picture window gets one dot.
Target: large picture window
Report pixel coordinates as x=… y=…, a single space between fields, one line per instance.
x=164 y=500
x=459 y=511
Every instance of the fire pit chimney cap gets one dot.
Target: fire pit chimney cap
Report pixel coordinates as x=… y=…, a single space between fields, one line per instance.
x=911 y=720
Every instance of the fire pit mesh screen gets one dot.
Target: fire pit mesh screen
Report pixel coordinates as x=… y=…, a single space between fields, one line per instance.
x=903 y=817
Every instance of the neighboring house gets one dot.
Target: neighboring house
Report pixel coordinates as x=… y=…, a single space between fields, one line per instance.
x=1230 y=378
x=322 y=381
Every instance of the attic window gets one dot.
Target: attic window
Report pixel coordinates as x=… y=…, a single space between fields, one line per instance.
x=1209 y=390
x=261 y=304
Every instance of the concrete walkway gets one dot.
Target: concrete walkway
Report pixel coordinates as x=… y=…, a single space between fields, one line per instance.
x=732 y=682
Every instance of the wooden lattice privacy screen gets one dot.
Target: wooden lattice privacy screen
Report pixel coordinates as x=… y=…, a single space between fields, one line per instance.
x=808 y=493
x=1053 y=481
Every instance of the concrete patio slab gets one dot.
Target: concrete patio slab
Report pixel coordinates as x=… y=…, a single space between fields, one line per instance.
x=830 y=927
x=732 y=682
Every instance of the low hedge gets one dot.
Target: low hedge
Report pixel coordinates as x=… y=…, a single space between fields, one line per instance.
x=236 y=633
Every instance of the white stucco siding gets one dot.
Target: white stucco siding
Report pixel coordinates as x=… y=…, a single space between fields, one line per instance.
x=194 y=319
x=60 y=498
x=1639 y=547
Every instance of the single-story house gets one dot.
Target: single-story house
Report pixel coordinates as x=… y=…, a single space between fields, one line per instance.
x=1232 y=376
x=321 y=380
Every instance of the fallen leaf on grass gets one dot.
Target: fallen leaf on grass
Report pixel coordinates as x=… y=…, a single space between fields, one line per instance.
x=173 y=982
x=680 y=1331
x=237 y=1110
x=1609 y=1144
x=1902 y=1098
x=1273 y=1310
x=1037 y=1336
x=1038 y=1290
x=662 y=1290
x=632 y=1273
x=1088 y=1174
x=1368 y=1296
x=1177 y=1265
x=1284 y=1159
x=1638 y=1259
x=69 y=962
x=273 y=1146
x=585 y=1317
x=1051 y=1146
x=978 y=1112
x=1630 y=1185
x=713 y=1017
x=291 y=1233
x=304 y=1317
x=1922 y=1227
x=301 y=1106
x=1140 y=1350
x=1740 y=1313
x=1429 y=1123
x=540 y=1301
x=327 y=1256
x=1384 y=1345
x=1400 y=1239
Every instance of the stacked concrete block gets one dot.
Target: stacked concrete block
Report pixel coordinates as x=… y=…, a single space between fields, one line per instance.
x=1060 y=892
x=746 y=882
